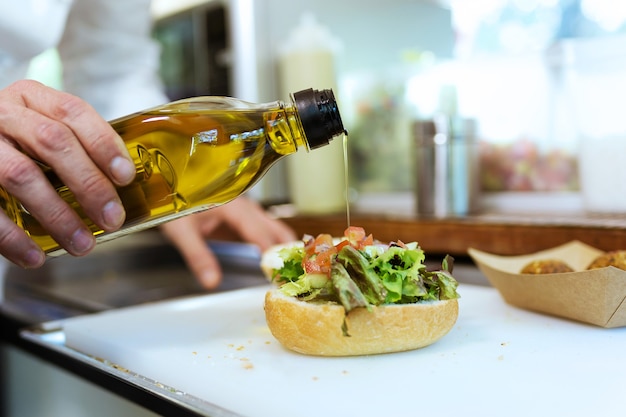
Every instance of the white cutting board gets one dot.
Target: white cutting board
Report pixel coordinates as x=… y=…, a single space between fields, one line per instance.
x=497 y=361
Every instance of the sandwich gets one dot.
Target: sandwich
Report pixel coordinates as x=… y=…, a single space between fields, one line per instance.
x=357 y=296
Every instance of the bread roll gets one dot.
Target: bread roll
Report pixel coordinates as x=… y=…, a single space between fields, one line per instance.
x=315 y=328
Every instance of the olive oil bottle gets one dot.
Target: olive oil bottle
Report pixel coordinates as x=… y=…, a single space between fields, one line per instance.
x=198 y=153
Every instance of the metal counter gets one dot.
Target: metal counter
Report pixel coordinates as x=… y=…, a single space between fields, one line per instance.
x=129 y=271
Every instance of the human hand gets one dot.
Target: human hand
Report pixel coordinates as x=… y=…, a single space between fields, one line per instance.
x=66 y=134
x=241 y=218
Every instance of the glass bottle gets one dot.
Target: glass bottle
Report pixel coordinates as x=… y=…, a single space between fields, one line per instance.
x=195 y=154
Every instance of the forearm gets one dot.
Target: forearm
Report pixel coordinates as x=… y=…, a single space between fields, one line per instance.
x=109 y=57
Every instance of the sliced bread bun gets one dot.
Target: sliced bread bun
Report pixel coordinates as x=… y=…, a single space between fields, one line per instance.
x=316 y=328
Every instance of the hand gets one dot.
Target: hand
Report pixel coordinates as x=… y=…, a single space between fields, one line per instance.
x=65 y=133
x=242 y=218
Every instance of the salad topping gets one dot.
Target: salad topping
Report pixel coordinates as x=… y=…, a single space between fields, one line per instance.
x=358 y=271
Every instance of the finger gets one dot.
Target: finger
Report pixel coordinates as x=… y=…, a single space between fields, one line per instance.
x=279 y=231
x=271 y=232
x=254 y=225
x=55 y=144
x=194 y=250
x=105 y=147
x=17 y=247
x=22 y=179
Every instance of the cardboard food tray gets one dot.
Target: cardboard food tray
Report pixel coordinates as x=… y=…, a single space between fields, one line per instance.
x=589 y=296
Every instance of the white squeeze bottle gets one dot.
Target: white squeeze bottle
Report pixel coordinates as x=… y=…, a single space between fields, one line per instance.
x=316 y=180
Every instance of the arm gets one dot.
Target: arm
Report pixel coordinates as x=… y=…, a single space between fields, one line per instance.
x=109 y=57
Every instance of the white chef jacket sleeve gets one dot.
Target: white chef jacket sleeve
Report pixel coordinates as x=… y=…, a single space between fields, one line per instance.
x=109 y=57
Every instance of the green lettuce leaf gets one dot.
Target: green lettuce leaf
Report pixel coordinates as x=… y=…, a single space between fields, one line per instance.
x=443 y=280
x=347 y=291
x=292 y=268
x=400 y=269
x=301 y=288
x=360 y=271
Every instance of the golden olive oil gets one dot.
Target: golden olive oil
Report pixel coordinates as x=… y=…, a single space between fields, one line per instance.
x=195 y=154
x=346 y=173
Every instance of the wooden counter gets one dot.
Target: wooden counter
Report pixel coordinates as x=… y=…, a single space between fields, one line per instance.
x=510 y=234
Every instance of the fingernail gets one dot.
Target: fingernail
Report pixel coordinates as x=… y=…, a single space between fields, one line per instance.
x=82 y=241
x=113 y=215
x=122 y=170
x=33 y=258
x=209 y=279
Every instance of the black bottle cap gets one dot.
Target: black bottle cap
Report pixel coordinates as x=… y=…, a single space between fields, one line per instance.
x=319 y=116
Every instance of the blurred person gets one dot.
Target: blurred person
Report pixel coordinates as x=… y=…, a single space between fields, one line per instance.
x=110 y=68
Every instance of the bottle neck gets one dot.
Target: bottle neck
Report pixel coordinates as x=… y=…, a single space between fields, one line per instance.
x=285 y=130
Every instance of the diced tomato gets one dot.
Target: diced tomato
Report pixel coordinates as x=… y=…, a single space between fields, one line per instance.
x=341 y=244
x=323 y=242
x=358 y=239
x=367 y=241
x=400 y=243
x=354 y=234
x=310 y=266
x=324 y=259
x=318 y=254
x=318 y=244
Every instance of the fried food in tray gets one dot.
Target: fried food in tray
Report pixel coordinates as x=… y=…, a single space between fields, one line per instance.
x=616 y=258
x=594 y=296
x=546 y=266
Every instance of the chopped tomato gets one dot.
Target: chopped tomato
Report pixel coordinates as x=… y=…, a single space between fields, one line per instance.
x=319 y=244
x=324 y=259
x=319 y=252
x=367 y=241
x=341 y=244
x=310 y=266
x=354 y=234
x=400 y=243
x=357 y=238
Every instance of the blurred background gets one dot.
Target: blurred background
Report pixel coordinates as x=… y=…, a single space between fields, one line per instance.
x=537 y=78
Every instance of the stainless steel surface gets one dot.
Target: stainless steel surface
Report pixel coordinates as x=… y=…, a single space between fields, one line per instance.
x=446 y=161
x=133 y=270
